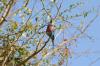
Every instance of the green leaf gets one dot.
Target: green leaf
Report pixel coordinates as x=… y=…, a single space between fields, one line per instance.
x=85 y=14
x=1 y=8
x=0 y=30
x=14 y=25
x=4 y=1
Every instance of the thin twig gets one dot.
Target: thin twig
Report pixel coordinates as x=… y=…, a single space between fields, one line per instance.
x=69 y=40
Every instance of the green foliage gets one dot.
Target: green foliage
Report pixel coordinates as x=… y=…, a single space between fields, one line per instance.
x=1 y=8
x=85 y=14
x=24 y=30
x=4 y=1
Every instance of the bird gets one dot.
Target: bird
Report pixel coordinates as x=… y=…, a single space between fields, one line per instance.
x=50 y=31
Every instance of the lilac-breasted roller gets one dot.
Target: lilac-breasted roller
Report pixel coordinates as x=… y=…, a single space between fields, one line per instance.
x=50 y=32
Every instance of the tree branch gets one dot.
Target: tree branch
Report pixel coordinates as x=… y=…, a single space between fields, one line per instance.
x=33 y=54
x=7 y=10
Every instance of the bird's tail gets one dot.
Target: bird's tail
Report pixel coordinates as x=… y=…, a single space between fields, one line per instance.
x=53 y=43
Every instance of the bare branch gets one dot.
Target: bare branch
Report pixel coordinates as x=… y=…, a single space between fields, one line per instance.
x=7 y=10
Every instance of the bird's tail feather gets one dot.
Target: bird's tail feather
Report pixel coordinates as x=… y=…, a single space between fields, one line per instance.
x=53 y=43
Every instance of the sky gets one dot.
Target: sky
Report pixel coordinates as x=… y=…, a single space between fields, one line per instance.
x=87 y=51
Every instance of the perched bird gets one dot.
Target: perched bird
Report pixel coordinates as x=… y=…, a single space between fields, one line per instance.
x=50 y=32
